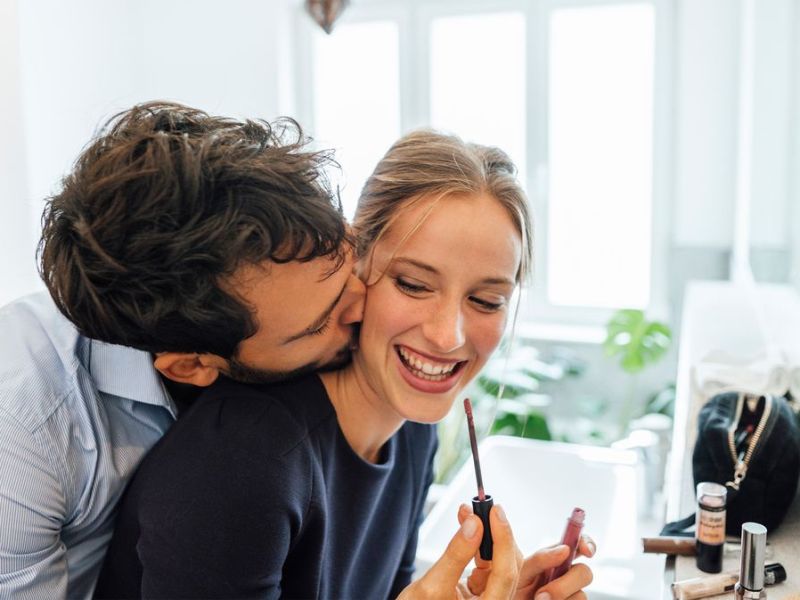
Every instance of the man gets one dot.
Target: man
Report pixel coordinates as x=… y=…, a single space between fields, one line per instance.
x=181 y=246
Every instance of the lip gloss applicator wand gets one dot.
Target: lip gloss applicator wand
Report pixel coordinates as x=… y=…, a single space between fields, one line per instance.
x=482 y=503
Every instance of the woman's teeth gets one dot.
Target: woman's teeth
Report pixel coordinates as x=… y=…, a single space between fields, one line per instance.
x=426 y=370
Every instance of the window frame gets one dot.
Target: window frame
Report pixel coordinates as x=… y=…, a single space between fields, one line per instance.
x=414 y=18
x=536 y=307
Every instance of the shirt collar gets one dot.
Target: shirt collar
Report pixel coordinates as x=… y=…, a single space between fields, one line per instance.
x=128 y=373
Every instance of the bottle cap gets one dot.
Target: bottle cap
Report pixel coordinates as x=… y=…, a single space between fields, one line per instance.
x=711 y=495
x=774 y=574
x=754 y=550
x=578 y=515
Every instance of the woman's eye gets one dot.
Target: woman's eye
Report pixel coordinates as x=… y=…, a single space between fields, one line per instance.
x=487 y=306
x=409 y=287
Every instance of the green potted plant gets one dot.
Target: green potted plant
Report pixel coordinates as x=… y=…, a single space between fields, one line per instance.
x=637 y=343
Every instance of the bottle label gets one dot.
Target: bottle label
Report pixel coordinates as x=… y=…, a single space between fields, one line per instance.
x=710 y=525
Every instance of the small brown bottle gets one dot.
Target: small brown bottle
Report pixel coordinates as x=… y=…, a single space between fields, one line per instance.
x=710 y=526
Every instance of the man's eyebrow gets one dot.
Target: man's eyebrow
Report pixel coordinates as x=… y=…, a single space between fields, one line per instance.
x=431 y=269
x=319 y=321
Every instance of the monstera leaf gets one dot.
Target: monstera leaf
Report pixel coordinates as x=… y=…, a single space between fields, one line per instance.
x=637 y=341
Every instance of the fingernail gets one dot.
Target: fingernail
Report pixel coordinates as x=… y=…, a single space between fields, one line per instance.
x=469 y=528
x=542 y=596
x=592 y=547
x=464 y=507
x=501 y=514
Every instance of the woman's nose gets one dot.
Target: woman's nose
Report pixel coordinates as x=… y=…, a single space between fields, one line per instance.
x=444 y=328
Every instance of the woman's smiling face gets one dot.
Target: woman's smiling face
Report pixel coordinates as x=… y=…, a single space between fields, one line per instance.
x=437 y=301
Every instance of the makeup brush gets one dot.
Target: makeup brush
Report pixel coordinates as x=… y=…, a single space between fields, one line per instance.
x=482 y=503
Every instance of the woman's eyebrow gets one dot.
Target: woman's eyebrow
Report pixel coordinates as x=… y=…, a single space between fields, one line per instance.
x=499 y=281
x=416 y=263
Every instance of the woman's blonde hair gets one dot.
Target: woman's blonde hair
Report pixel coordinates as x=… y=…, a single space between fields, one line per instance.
x=426 y=164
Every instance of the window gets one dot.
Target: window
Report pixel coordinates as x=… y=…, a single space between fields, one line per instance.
x=356 y=105
x=478 y=90
x=600 y=122
x=566 y=87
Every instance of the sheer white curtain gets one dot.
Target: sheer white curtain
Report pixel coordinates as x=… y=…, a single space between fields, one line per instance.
x=17 y=237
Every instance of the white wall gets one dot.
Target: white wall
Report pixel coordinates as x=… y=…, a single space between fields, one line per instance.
x=67 y=66
x=17 y=273
x=795 y=159
x=708 y=61
x=219 y=56
x=76 y=62
x=706 y=79
x=774 y=103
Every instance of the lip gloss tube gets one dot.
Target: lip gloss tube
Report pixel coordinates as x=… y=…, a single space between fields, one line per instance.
x=571 y=537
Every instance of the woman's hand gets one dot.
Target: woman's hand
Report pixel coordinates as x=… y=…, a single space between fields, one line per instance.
x=534 y=569
x=499 y=583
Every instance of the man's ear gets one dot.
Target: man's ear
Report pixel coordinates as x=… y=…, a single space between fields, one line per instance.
x=195 y=369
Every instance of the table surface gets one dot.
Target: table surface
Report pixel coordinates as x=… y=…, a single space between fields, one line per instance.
x=699 y=334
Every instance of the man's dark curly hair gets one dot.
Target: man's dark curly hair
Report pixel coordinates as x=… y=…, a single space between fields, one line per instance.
x=164 y=205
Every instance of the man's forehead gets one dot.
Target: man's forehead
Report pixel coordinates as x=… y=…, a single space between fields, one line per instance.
x=248 y=275
x=290 y=297
x=333 y=267
x=315 y=270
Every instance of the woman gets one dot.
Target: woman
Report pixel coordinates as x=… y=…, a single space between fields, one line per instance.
x=315 y=487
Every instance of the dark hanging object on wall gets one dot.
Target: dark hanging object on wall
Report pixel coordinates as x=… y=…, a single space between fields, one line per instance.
x=325 y=12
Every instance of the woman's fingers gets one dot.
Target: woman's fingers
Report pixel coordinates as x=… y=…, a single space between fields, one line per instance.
x=464 y=511
x=502 y=580
x=476 y=582
x=492 y=579
x=478 y=578
x=539 y=563
x=483 y=568
x=569 y=585
x=442 y=578
x=586 y=546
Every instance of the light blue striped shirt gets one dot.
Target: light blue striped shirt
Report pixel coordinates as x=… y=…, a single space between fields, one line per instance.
x=76 y=417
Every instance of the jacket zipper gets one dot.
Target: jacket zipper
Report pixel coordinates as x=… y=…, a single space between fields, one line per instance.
x=740 y=466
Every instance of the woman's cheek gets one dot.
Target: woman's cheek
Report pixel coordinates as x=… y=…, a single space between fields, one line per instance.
x=389 y=312
x=489 y=335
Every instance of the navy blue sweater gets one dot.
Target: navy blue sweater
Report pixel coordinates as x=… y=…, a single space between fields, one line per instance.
x=255 y=493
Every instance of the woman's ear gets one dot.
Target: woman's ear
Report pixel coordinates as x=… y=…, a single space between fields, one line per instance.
x=195 y=369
